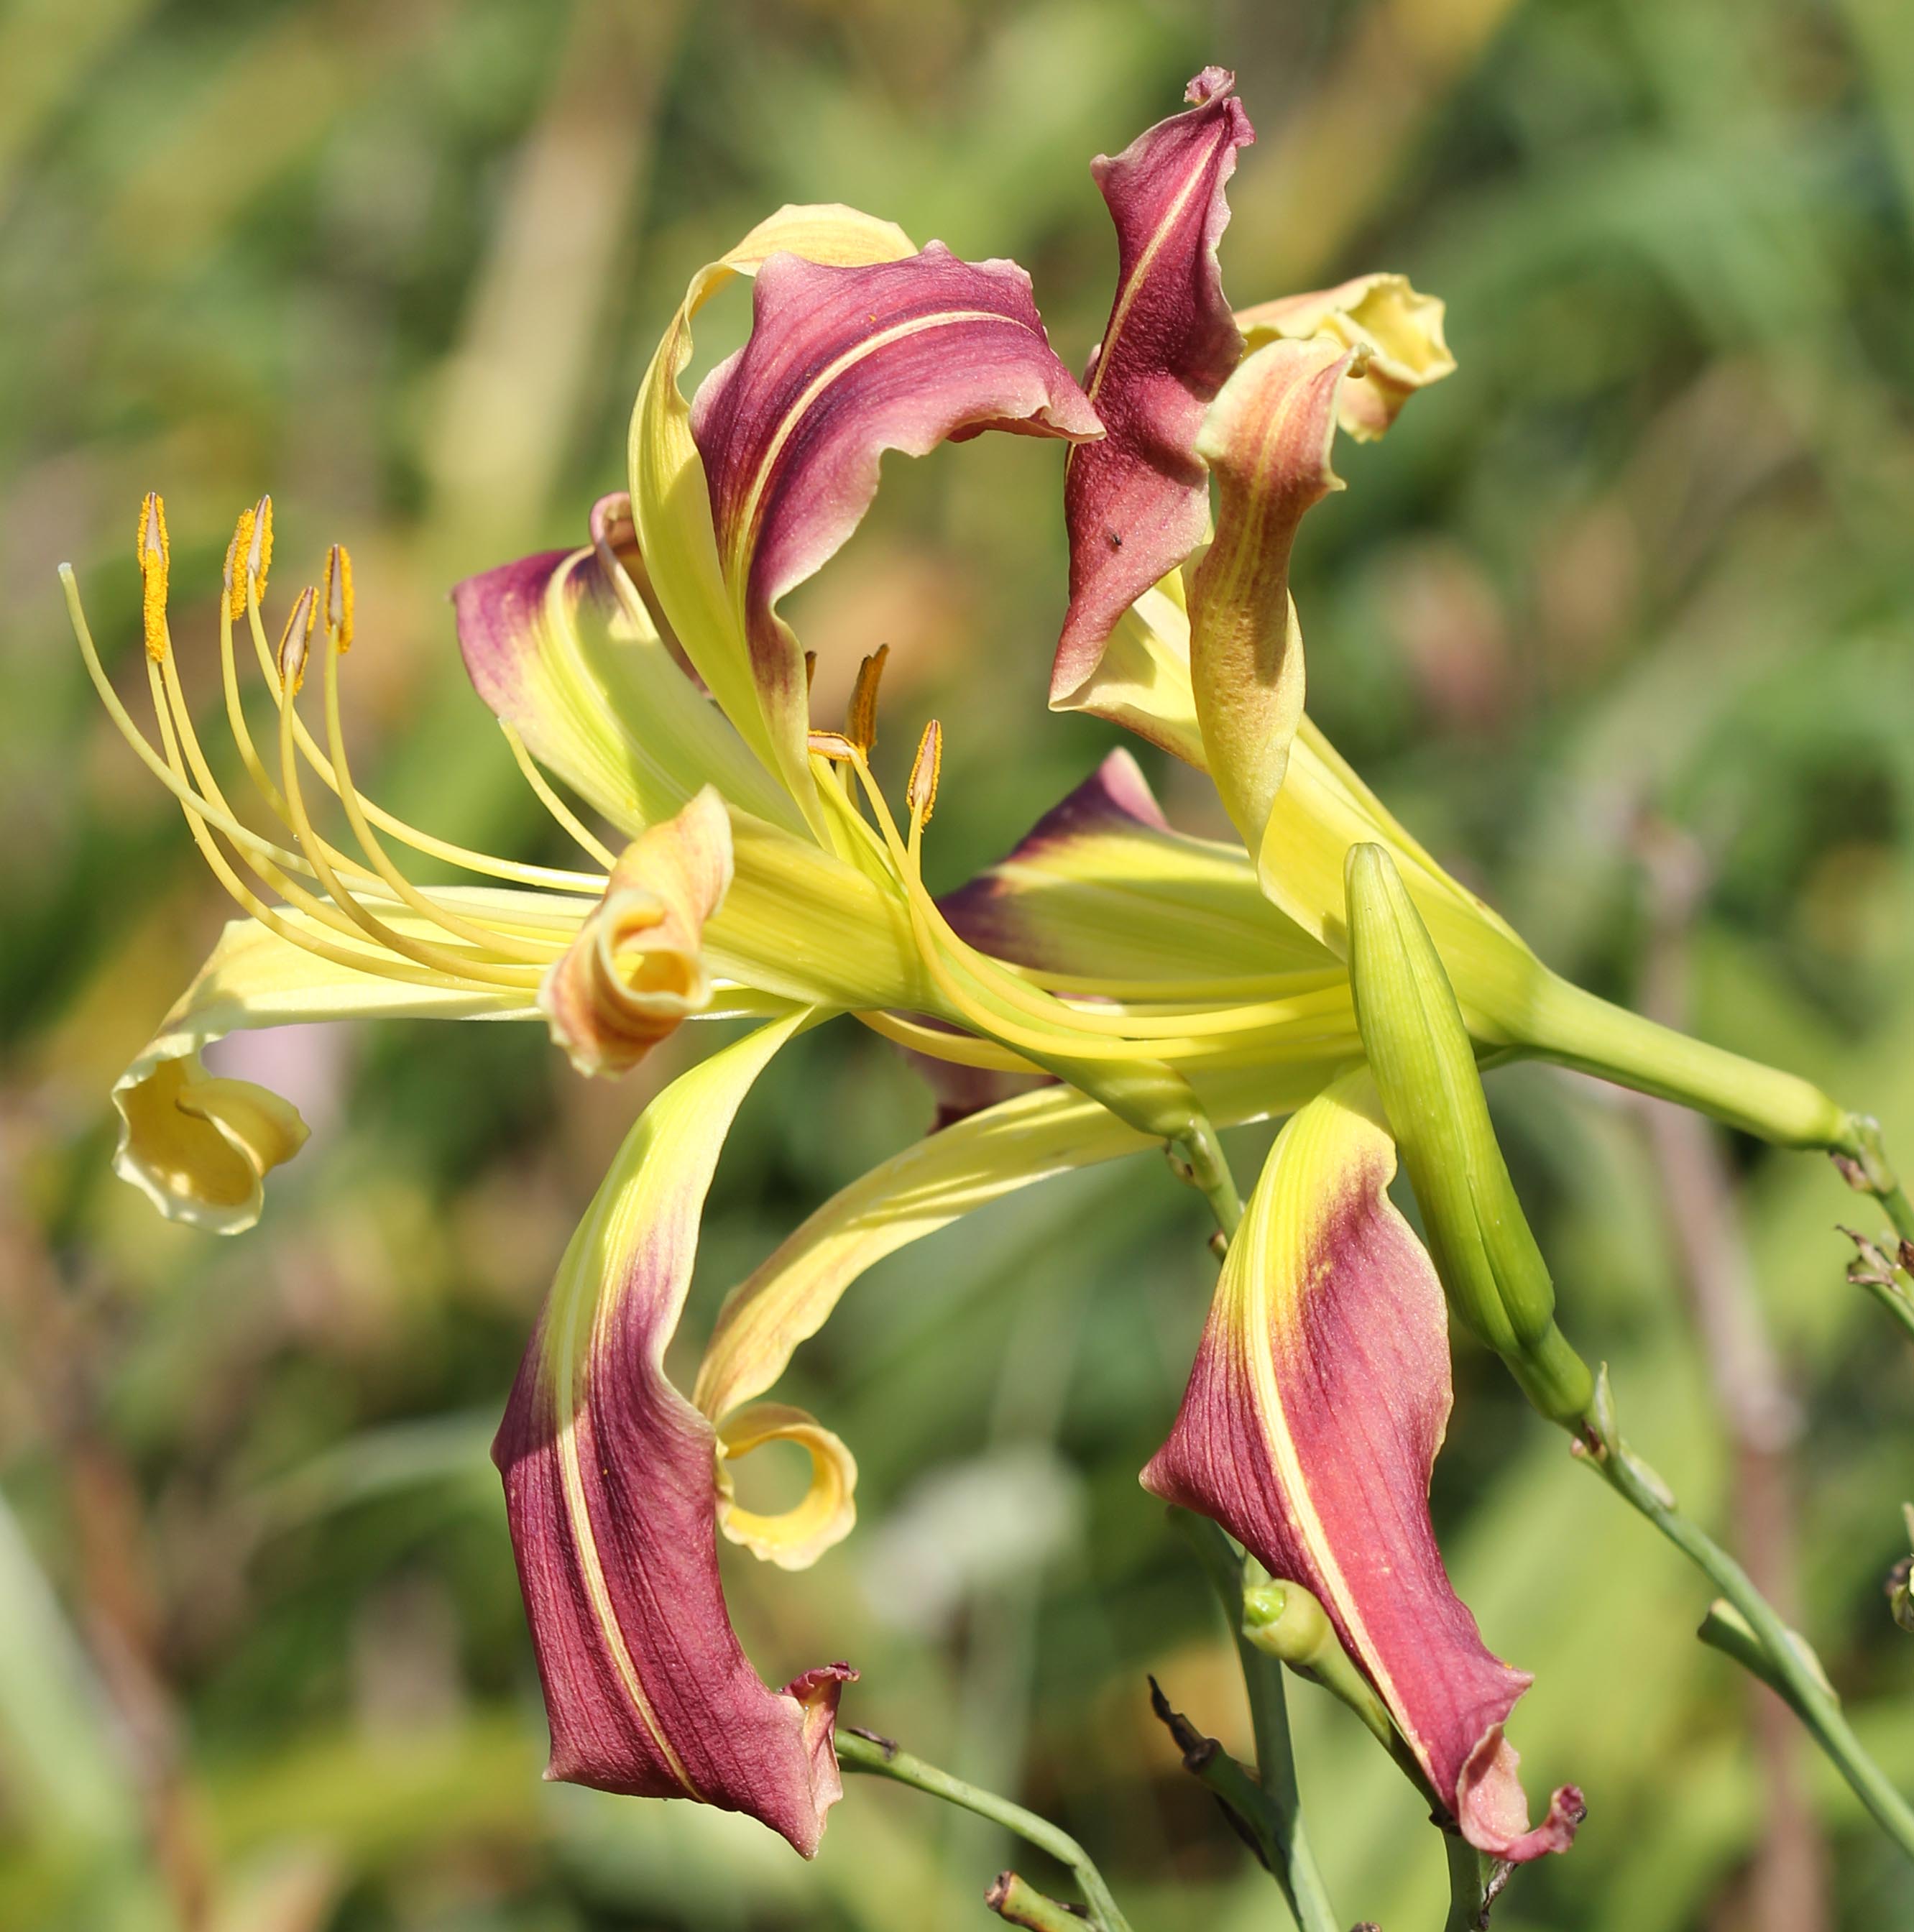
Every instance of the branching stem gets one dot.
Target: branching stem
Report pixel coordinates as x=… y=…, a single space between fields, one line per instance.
x=864 y=1751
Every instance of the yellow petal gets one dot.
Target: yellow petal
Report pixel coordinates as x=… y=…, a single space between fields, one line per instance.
x=795 y=1538
x=637 y=969
x=966 y=1166
x=198 y=1146
x=1398 y=331
x=670 y=500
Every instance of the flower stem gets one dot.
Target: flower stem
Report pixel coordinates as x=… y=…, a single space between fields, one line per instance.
x=1791 y=1667
x=864 y=1751
x=1465 y=1885
x=1281 y=1830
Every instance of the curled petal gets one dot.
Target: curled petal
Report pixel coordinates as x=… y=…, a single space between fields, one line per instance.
x=636 y=969
x=1137 y=503
x=936 y=1181
x=611 y=1493
x=561 y=647
x=795 y=1538
x=1103 y=886
x=1318 y=1400
x=843 y=364
x=1267 y=440
x=198 y=1146
x=1398 y=332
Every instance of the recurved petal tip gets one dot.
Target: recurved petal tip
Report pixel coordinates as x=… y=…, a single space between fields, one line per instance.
x=1493 y=1813
x=635 y=971
x=1136 y=503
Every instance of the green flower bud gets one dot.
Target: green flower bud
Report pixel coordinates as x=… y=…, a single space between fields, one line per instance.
x=1424 y=1064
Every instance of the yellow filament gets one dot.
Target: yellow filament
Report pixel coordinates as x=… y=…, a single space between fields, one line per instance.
x=169 y=696
x=590 y=884
x=380 y=965
x=587 y=842
x=203 y=815
x=481 y=935
x=959 y=1049
x=439 y=958
x=1112 y=1035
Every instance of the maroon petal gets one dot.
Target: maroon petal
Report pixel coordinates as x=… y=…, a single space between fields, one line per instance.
x=1319 y=1398
x=1137 y=502
x=844 y=364
x=611 y=1492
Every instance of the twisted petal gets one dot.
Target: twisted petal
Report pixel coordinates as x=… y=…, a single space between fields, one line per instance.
x=611 y=1491
x=934 y=1182
x=843 y=364
x=671 y=503
x=796 y=1538
x=708 y=602
x=1267 y=440
x=561 y=647
x=1398 y=331
x=1318 y=1400
x=637 y=970
x=199 y=1146
x=1137 y=503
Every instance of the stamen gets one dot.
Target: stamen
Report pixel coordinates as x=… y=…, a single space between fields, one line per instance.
x=339 y=595
x=588 y=841
x=589 y=885
x=259 y=551
x=483 y=936
x=296 y=639
x=810 y=671
x=233 y=578
x=861 y=719
x=155 y=560
x=459 y=964
x=920 y=794
x=959 y=1049
x=834 y=745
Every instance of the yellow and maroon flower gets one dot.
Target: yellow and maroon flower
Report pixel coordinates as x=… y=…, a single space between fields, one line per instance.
x=1317 y=1402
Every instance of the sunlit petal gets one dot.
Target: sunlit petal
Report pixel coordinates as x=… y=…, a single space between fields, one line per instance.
x=1314 y=1413
x=844 y=364
x=612 y=1493
x=1398 y=331
x=1137 y=503
x=200 y=1146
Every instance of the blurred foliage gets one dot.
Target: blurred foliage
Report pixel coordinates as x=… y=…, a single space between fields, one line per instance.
x=1636 y=582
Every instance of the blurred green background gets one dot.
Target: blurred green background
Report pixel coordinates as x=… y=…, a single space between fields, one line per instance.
x=1617 y=619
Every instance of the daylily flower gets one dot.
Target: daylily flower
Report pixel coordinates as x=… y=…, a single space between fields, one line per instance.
x=1135 y=986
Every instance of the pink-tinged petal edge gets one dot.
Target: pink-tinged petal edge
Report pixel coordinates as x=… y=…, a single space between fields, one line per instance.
x=842 y=365
x=612 y=1499
x=1136 y=503
x=1115 y=800
x=1319 y=1399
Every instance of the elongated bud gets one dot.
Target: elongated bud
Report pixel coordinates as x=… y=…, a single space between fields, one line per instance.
x=155 y=560
x=1424 y=1065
